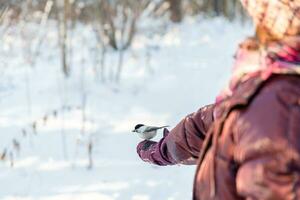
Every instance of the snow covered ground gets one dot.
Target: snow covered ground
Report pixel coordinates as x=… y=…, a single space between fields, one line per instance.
x=42 y=112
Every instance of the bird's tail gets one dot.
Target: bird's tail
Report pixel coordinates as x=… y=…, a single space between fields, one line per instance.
x=162 y=127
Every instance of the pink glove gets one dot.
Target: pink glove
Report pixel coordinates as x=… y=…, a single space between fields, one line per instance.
x=152 y=152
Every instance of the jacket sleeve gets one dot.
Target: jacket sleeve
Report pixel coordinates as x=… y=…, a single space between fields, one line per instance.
x=267 y=149
x=182 y=144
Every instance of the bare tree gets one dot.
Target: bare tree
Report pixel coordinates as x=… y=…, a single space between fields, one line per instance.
x=117 y=26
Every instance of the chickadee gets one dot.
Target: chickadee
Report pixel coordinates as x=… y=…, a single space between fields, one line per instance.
x=146 y=132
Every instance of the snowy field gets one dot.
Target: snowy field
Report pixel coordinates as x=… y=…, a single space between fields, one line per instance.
x=47 y=138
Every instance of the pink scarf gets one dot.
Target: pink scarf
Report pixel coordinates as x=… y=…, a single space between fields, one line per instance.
x=277 y=58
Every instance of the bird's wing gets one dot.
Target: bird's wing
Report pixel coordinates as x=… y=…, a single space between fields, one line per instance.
x=154 y=128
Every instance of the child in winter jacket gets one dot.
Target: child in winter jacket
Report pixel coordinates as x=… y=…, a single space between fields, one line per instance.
x=246 y=145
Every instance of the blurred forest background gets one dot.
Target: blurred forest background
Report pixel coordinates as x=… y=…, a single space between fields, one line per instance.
x=114 y=21
x=114 y=24
x=77 y=75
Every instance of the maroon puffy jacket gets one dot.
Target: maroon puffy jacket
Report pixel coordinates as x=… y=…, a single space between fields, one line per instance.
x=246 y=147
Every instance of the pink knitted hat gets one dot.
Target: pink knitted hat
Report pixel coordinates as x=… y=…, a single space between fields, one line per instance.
x=278 y=17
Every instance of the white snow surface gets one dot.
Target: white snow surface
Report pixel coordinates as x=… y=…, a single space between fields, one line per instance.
x=189 y=64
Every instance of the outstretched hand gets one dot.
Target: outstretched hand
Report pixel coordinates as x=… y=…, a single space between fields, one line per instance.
x=146 y=144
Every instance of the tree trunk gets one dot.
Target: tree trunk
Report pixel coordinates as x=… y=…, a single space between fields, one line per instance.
x=175 y=10
x=120 y=65
x=66 y=69
x=216 y=6
x=62 y=21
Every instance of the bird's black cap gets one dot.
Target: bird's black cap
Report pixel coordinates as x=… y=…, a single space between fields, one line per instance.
x=138 y=126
